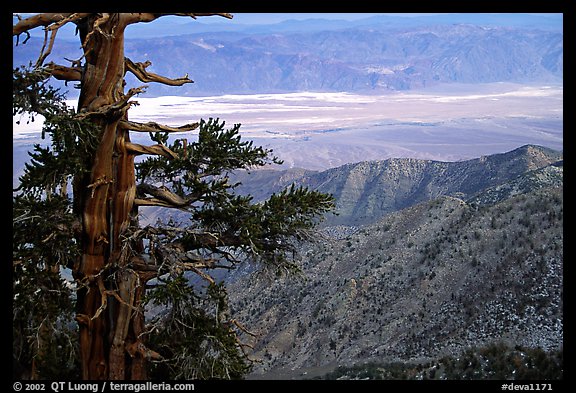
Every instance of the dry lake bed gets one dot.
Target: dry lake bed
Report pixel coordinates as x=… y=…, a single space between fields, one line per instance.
x=322 y=130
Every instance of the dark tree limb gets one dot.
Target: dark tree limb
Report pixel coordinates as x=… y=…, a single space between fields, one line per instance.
x=102 y=19
x=150 y=202
x=106 y=110
x=139 y=264
x=139 y=349
x=43 y=52
x=52 y=22
x=149 y=16
x=243 y=328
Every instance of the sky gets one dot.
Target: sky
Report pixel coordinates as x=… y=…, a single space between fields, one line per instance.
x=254 y=19
x=269 y=18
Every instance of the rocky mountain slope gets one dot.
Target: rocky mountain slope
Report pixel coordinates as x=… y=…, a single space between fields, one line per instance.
x=430 y=280
x=428 y=260
x=367 y=191
x=549 y=176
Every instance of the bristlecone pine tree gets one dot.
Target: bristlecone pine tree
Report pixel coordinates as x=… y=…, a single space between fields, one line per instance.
x=77 y=207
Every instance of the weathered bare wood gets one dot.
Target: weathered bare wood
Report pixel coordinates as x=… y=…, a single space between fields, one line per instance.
x=149 y=16
x=203 y=275
x=46 y=19
x=52 y=22
x=139 y=71
x=163 y=194
x=157 y=150
x=155 y=127
x=151 y=202
x=110 y=317
x=101 y=98
x=139 y=349
x=64 y=73
x=242 y=327
x=124 y=192
x=121 y=327
x=43 y=52
x=98 y=108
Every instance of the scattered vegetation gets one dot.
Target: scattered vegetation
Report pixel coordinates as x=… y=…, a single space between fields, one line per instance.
x=494 y=361
x=418 y=289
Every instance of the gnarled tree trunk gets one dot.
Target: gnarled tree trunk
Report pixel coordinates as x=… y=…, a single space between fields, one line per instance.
x=106 y=321
x=111 y=287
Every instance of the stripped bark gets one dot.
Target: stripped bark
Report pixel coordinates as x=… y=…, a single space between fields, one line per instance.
x=109 y=309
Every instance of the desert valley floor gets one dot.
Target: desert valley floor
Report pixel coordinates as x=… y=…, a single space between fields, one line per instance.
x=323 y=130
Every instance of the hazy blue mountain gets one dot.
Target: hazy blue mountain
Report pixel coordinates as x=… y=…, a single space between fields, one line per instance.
x=356 y=59
x=376 y=54
x=317 y=22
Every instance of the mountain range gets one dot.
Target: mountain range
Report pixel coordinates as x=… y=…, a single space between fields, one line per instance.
x=451 y=258
x=376 y=54
x=366 y=191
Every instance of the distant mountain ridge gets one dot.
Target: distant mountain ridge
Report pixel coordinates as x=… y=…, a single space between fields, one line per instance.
x=318 y=22
x=367 y=191
x=376 y=55
x=356 y=59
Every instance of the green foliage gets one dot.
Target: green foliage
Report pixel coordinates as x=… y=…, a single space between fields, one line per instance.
x=42 y=321
x=44 y=332
x=495 y=361
x=43 y=327
x=265 y=231
x=43 y=232
x=217 y=151
x=194 y=335
x=269 y=230
x=32 y=94
x=72 y=141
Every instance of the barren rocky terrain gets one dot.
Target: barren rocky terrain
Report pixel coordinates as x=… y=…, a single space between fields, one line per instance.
x=428 y=280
